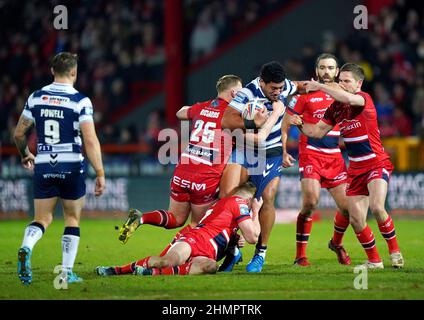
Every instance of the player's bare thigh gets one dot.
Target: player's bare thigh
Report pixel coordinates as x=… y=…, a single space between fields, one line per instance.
x=310 y=195
x=339 y=195
x=177 y=255
x=269 y=193
x=180 y=210
x=72 y=211
x=358 y=209
x=43 y=210
x=203 y=265
x=377 y=189
x=234 y=174
x=198 y=211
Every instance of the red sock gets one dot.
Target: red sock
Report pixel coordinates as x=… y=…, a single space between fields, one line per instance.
x=143 y=262
x=303 y=229
x=161 y=218
x=387 y=229
x=367 y=240
x=128 y=268
x=340 y=225
x=181 y=270
x=179 y=234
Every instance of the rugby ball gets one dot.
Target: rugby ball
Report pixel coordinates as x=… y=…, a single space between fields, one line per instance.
x=252 y=107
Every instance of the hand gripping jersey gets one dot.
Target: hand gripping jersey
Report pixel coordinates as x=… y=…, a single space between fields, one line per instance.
x=211 y=236
x=359 y=129
x=273 y=144
x=313 y=106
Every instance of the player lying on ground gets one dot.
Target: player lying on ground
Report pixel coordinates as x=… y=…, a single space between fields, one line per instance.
x=369 y=165
x=199 y=249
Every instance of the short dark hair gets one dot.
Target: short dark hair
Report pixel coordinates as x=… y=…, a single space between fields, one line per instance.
x=323 y=56
x=226 y=82
x=356 y=70
x=64 y=62
x=273 y=72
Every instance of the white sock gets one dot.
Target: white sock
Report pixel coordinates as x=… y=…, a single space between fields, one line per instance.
x=261 y=251
x=235 y=251
x=69 y=251
x=31 y=236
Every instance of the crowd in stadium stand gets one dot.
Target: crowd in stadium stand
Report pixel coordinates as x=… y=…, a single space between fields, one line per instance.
x=118 y=43
x=121 y=42
x=391 y=53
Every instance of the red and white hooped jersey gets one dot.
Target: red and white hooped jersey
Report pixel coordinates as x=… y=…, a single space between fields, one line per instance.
x=313 y=106
x=359 y=129
x=209 y=148
x=220 y=223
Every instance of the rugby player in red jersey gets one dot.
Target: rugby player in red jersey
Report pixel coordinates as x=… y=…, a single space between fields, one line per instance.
x=369 y=165
x=196 y=180
x=321 y=164
x=198 y=250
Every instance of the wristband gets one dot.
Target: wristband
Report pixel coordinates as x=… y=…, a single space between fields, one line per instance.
x=249 y=124
x=100 y=173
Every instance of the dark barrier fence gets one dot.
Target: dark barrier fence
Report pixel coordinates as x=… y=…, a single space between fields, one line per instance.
x=405 y=196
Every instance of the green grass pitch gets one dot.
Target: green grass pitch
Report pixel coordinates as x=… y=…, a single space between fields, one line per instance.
x=325 y=279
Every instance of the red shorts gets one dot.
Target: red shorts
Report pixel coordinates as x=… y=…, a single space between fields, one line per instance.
x=330 y=172
x=199 y=246
x=358 y=179
x=199 y=188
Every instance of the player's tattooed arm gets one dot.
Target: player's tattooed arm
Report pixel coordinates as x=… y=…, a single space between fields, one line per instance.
x=24 y=124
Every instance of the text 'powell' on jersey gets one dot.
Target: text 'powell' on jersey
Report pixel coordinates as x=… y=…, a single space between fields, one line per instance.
x=57 y=111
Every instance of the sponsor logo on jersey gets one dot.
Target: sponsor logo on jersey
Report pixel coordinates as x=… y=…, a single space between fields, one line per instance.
x=57 y=101
x=319 y=113
x=198 y=151
x=189 y=184
x=318 y=99
x=347 y=125
x=54 y=176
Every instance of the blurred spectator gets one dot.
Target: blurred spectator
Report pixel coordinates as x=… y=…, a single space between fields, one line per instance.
x=402 y=123
x=204 y=36
x=151 y=133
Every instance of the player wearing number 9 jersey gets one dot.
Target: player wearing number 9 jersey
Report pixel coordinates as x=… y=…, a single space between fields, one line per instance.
x=60 y=114
x=195 y=183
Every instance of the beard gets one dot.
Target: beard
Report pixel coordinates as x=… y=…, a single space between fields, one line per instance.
x=326 y=78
